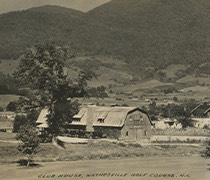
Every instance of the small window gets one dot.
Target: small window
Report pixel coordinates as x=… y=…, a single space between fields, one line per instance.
x=136 y=122
x=131 y=118
x=76 y=119
x=101 y=120
x=145 y=133
x=126 y=133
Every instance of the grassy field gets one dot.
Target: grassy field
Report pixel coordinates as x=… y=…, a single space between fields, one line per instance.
x=172 y=69
x=96 y=150
x=7 y=136
x=5 y=99
x=141 y=86
x=8 y=66
x=190 y=78
x=112 y=100
x=182 y=132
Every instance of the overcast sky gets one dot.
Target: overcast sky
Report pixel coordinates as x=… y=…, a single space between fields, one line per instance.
x=82 y=5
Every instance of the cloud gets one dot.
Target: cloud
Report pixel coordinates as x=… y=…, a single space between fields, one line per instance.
x=81 y=5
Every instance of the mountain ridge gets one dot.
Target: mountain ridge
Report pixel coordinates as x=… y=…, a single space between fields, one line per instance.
x=143 y=33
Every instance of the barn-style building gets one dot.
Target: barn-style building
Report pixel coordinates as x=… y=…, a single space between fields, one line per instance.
x=125 y=123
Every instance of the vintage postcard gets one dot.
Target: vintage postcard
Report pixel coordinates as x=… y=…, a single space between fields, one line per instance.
x=104 y=89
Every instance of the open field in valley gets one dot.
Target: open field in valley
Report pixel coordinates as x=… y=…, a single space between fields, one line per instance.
x=6 y=99
x=142 y=85
x=182 y=132
x=8 y=66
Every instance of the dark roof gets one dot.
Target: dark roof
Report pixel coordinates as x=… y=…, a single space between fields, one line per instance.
x=201 y=109
x=207 y=111
x=196 y=108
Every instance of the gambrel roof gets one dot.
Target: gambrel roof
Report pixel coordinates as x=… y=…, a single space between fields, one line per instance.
x=105 y=116
x=92 y=116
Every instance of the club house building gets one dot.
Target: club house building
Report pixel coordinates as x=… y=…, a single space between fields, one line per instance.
x=123 y=123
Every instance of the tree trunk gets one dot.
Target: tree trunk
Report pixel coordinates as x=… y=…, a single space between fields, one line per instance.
x=28 y=163
x=29 y=160
x=54 y=140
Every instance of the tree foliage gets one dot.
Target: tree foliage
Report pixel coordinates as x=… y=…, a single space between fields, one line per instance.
x=18 y=122
x=7 y=84
x=206 y=153
x=12 y=106
x=181 y=112
x=1 y=109
x=42 y=70
x=98 y=92
x=172 y=40
x=29 y=145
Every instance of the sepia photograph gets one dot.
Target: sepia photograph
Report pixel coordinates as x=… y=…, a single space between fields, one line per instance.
x=105 y=89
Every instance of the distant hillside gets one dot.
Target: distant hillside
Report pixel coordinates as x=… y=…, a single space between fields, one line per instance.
x=157 y=31
x=21 y=30
x=153 y=33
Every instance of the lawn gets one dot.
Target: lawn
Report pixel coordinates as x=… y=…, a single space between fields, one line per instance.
x=8 y=66
x=7 y=136
x=6 y=99
x=96 y=150
x=190 y=78
x=139 y=86
x=182 y=132
x=172 y=69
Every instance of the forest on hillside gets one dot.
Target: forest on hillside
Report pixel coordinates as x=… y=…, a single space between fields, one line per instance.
x=142 y=33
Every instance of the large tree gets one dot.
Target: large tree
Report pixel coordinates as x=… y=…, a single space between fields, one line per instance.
x=42 y=70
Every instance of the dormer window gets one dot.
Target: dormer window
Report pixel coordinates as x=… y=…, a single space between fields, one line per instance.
x=102 y=116
x=101 y=120
x=77 y=117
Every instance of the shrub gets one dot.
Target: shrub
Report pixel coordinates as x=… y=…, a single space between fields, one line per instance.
x=20 y=120
x=206 y=153
x=1 y=109
x=29 y=142
x=205 y=126
x=12 y=106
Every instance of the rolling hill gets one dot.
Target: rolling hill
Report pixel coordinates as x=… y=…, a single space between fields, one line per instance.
x=22 y=29
x=158 y=31
x=151 y=33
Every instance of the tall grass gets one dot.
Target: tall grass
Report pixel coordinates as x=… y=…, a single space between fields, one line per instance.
x=182 y=132
x=95 y=150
